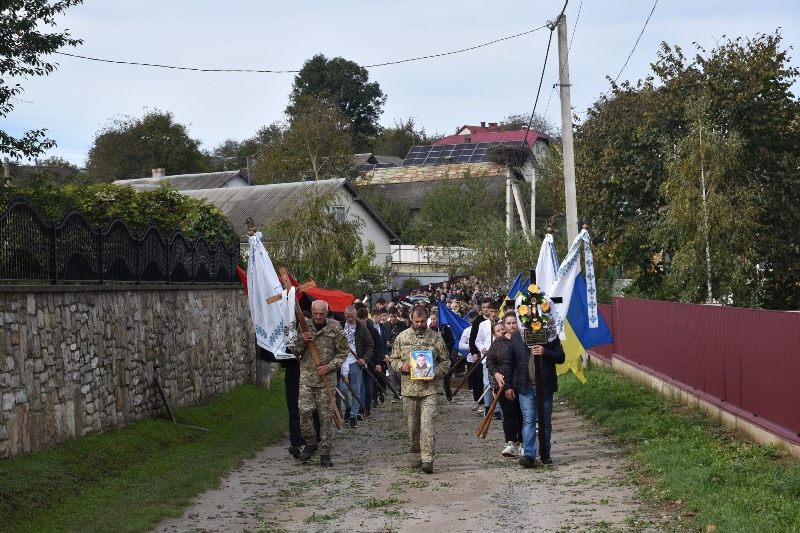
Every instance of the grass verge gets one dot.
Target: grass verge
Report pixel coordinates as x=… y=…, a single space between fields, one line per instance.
x=129 y=478
x=688 y=464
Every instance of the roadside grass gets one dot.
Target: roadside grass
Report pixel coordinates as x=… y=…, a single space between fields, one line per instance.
x=130 y=478
x=687 y=464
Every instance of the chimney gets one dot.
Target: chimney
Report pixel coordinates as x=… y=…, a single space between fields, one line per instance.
x=159 y=173
x=493 y=125
x=483 y=124
x=467 y=139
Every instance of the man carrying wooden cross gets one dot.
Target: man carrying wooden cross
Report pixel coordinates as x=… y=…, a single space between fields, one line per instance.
x=333 y=349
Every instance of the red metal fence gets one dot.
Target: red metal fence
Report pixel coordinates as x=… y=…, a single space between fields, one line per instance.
x=746 y=358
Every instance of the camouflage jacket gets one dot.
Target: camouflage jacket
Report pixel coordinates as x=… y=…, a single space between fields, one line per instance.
x=407 y=342
x=333 y=348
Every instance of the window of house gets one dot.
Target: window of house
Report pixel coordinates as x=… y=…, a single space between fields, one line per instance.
x=339 y=211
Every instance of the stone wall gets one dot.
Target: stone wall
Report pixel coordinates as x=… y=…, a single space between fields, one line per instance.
x=77 y=360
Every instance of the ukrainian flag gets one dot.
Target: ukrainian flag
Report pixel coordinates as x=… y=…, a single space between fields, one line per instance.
x=583 y=326
x=447 y=317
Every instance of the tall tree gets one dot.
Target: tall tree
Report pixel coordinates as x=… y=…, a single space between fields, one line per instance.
x=22 y=43
x=710 y=225
x=131 y=147
x=314 y=145
x=624 y=148
x=348 y=85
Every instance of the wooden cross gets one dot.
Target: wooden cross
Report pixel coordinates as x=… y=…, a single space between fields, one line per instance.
x=301 y=321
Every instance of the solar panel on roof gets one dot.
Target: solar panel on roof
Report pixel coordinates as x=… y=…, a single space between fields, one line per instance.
x=451 y=153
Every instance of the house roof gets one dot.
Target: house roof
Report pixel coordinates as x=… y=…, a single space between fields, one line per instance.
x=379 y=176
x=187 y=182
x=530 y=137
x=264 y=202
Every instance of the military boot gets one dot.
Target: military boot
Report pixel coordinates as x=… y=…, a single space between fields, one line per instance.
x=308 y=451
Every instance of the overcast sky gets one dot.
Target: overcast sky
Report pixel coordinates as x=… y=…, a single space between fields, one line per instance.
x=441 y=94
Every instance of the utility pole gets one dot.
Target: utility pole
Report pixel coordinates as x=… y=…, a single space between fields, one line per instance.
x=566 y=132
x=6 y=173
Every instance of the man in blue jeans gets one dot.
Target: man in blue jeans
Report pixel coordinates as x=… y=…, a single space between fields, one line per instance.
x=520 y=379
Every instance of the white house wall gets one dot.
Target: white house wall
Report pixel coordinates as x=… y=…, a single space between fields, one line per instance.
x=371 y=231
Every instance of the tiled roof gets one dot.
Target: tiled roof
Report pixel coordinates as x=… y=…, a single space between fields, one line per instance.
x=186 y=182
x=499 y=136
x=380 y=176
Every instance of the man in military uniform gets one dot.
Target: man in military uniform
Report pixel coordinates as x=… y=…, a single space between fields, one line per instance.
x=333 y=348
x=420 y=396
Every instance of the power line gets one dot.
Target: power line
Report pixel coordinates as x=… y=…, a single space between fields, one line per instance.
x=266 y=71
x=551 y=26
x=637 y=42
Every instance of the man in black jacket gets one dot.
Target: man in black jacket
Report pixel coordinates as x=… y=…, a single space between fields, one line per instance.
x=520 y=379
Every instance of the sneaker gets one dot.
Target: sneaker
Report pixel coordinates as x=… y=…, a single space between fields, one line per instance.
x=510 y=450
x=498 y=415
x=427 y=468
x=360 y=416
x=353 y=423
x=374 y=403
x=546 y=460
x=381 y=398
x=520 y=449
x=527 y=462
x=480 y=409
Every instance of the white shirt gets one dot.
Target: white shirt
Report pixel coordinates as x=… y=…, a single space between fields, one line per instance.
x=463 y=343
x=484 y=338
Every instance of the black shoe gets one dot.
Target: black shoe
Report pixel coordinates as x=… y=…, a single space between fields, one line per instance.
x=527 y=462
x=308 y=451
x=427 y=468
x=347 y=414
x=294 y=451
x=546 y=460
x=360 y=417
x=374 y=403
x=381 y=398
x=325 y=460
x=353 y=423
x=498 y=416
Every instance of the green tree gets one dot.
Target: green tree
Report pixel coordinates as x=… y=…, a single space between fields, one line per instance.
x=519 y=121
x=315 y=144
x=492 y=250
x=22 y=43
x=451 y=210
x=624 y=147
x=50 y=171
x=708 y=206
x=129 y=148
x=396 y=215
x=348 y=85
x=312 y=242
x=397 y=140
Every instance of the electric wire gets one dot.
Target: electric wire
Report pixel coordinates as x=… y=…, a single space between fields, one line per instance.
x=544 y=66
x=271 y=71
x=637 y=42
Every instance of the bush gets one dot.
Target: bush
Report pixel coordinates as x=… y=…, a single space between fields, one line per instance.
x=165 y=206
x=411 y=283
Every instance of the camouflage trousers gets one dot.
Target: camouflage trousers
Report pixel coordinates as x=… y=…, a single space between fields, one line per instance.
x=420 y=412
x=316 y=399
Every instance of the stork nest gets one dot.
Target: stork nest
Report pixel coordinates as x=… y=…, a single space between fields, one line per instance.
x=509 y=155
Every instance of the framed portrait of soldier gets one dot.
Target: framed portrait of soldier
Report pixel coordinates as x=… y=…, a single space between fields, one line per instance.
x=421 y=363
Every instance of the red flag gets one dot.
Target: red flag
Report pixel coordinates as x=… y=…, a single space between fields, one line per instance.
x=242 y=278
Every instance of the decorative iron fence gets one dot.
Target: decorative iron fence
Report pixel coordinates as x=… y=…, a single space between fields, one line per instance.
x=72 y=250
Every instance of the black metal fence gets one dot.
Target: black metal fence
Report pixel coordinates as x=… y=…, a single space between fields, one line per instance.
x=71 y=250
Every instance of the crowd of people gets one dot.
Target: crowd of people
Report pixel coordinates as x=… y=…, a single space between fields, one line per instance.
x=398 y=352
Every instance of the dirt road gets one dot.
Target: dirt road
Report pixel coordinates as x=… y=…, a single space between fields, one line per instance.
x=473 y=487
